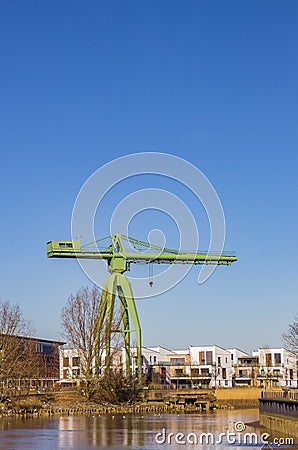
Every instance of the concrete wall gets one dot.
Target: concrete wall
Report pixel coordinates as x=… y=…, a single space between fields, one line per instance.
x=287 y=426
x=285 y=408
x=241 y=393
x=279 y=415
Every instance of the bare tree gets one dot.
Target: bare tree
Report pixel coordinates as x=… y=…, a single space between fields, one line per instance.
x=17 y=349
x=78 y=320
x=290 y=337
x=80 y=329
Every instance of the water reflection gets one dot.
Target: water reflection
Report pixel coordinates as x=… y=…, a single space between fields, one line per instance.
x=122 y=431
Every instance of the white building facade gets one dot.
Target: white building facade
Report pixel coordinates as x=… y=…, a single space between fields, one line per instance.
x=277 y=367
x=212 y=361
x=197 y=366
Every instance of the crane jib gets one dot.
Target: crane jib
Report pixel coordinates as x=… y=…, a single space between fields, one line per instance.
x=73 y=249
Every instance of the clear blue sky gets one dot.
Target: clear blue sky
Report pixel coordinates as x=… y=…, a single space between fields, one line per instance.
x=212 y=82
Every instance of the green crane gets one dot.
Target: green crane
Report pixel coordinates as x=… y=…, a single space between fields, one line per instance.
x=120 y=252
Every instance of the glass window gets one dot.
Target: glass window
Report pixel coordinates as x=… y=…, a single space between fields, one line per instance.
x=65 y=362
x=75 y=361
x=201 y=357
x=209 y=357
x=47 y=349
x=177 y=361
x=65 y=245
x=76 y=373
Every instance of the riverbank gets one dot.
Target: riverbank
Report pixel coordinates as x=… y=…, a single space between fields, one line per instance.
x=72 y=403
x=31 y=408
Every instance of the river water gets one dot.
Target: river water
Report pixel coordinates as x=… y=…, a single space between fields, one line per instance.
x=136 y=431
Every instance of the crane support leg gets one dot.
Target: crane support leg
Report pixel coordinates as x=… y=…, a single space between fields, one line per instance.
x=105 y=314
x=125 y=287
x=117 y=283
x=126 y=332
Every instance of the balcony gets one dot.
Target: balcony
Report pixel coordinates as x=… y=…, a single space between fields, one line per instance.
x=271 y=376
x=252 y=364
x=246 y=376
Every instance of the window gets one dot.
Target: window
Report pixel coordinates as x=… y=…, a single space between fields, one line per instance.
x=219 y=360
x=154 y=359
x=65 y=373
x=243 y=373
x=177 y=361
x=65 y=362
x=47 y=349
x=209 y=357
x=268 y=359
x=75 y=361
x=201 y=357
x=38 y=348
x=76 y=373
x=277 y=359
x=65 y=245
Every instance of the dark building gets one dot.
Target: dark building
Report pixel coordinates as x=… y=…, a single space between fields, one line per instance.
x=27 y=362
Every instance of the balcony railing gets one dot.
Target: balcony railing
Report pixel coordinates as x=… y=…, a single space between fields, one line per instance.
x=270 y=376
x=192 y=377
x=247 y=365
x=281 y=395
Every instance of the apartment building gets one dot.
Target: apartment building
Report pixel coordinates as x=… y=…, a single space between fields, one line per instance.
x=264 y=368
x=212 y=365
x=72 y=363
x=155 y=364
x=197 y=366
x=246 y=371
x=277 y=367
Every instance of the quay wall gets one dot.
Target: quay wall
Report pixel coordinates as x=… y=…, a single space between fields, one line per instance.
x=242 y=397
x=279 y=415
